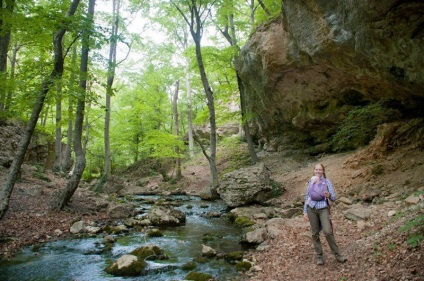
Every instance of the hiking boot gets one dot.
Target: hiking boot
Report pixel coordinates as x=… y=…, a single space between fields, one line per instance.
x=341 y=258
x=320 y=261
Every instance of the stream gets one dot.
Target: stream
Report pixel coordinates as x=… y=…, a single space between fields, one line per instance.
x=80 y=258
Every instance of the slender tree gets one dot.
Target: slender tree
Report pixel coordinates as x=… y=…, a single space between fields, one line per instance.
x=47 y=83
x=178 y=173
x=65 y=195
x=6 y=11
x=195 y=19
x=110 y=77
x=58 y=131
x=13 y=58
x=67 y=154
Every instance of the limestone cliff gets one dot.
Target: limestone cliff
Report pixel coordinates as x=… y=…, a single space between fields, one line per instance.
x=322 y=58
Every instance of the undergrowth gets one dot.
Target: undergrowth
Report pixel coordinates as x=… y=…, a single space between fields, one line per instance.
x=360 y=126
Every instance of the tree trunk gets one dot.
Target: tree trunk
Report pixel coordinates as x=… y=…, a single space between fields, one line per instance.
x=6 y=9
x=67 y=155
x=109 y=83
x=252 y=13
x=86 y=128
x=211 y=108
x=47 y=83
x=12 y=75
x=178 y=173
x=189 y=111
x=58 y=136
x=65 y=195
x=253 y=157
x=189 y=105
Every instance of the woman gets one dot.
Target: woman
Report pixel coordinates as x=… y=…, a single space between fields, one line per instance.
x=316 y=210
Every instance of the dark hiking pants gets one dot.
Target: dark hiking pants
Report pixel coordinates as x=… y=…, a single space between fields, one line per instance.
x=320 y=218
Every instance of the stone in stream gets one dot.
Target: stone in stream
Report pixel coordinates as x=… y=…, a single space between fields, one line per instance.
x=127 y=265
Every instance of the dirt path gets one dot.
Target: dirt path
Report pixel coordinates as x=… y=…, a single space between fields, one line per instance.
x=376 y=249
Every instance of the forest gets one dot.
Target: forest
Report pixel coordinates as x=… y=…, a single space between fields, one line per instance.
x=173 y=139
x=116 y=82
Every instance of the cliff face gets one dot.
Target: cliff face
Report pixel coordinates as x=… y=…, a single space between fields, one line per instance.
x=40 y=151
x=322 y=58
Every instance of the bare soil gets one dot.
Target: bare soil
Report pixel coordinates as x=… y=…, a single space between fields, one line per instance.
x=376 y=249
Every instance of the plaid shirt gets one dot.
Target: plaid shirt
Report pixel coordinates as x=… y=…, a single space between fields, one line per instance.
x=318 y=204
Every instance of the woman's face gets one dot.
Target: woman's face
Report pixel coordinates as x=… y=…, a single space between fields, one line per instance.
x=318 y=171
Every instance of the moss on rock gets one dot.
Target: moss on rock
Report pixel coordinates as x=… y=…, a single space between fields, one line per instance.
x=154 y=233
x=234 y=256
x=198 y=276
x=189 y=266
x=150 y=252
x=243 y=221
x=243 y=265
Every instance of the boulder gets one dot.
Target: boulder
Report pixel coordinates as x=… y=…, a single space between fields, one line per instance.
x=122 y=210
x=166 y=216
x=256 y=236
x=414 y=199
x=208 y=251
x=357 y=212
x=149 y=252
x=345 y=200
x=253 y=211
x=93 y=229
x=114 y=184
x=246 y=186
x=77 y=227
x=127 y=265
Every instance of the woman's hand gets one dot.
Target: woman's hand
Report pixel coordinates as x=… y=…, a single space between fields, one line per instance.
x=327 y=194
x=305 y=217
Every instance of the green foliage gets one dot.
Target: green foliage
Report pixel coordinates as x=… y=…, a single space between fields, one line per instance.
x=41 y=176
x=141 y=125
x=360 y=126
x=277 y=189
x=273 y=7
x=233 y=154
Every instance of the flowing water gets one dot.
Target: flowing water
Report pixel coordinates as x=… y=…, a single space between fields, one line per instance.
x=80 y=259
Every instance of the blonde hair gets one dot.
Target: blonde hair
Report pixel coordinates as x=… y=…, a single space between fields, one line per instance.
x=323 y=169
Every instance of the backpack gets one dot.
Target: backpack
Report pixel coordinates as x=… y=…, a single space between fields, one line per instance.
x=316 y=191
